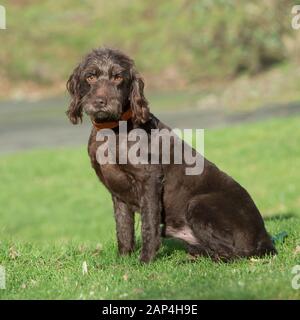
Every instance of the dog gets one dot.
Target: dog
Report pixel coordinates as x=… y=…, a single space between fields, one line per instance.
x=213 y=214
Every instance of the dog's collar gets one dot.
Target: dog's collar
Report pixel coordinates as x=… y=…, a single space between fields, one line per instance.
x=112 y=124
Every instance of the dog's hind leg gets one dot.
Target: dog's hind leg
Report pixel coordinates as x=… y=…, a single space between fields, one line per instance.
x=227 y=228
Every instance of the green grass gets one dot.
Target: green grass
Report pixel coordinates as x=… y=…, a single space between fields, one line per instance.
x=55 y=215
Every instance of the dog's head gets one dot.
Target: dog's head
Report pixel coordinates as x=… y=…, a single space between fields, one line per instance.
x=104 y=85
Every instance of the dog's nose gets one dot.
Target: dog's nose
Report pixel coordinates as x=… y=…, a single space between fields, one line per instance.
x=100 y=101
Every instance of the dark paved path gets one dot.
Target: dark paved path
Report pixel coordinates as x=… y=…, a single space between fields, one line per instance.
x=26 y=125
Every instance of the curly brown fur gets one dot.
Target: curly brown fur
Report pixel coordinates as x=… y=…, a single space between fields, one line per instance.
x=129 y=93
x=211 y=212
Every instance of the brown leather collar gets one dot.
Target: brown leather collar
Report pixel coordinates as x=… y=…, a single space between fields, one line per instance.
x=112 y=124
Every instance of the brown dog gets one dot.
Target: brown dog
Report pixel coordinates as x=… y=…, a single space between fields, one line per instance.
x=211 y=212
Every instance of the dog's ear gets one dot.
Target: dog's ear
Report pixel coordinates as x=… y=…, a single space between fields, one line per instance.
x=138 y=102
x=74 y=111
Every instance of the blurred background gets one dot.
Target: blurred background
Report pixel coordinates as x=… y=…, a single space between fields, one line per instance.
x=226 y=61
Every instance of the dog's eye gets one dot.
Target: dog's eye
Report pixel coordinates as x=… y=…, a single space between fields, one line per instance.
x=118 y=78
x=91 y=79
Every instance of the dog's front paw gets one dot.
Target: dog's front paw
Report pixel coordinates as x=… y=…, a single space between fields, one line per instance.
x=145 y=257
x=123 y=250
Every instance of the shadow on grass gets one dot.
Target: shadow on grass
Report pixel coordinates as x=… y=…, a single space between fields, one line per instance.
x=171 y=245
x=281 y=216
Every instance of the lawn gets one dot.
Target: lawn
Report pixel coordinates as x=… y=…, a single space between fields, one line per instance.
x=55 y=217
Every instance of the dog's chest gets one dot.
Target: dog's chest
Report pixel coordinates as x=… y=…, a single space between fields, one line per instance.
x=117 y=181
